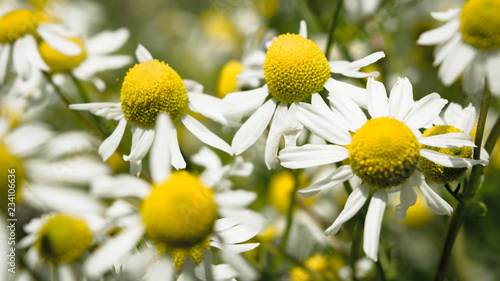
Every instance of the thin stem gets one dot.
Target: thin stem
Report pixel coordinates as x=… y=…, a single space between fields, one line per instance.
x=493 y=137
x=469 y=191
x=380 y=270
x=81 y=89
x=289 y=218
x=331 y=40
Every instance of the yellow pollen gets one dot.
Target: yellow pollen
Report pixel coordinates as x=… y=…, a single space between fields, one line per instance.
x=384 y=152
x=17 y=24
x=438 y=173
x=179 y=216
x=10 y=181
x=481 y=23
x=227 y=82
x=295 y=68
x=63 y=239
x=59 y=62
x=150 y=88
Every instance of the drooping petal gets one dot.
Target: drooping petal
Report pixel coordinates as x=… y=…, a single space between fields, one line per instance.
x=273 y=138
x=253 y=127
x=312 y=155
x=341 y=174
x=143 y=54
x=176 y=158
x=408 y=198
x=142 y=139
x=401 y=99
x=111 y=143
x=354 y=203
x=450 y=161
x=425 y=111
x=448 y=140
x=204 y=134
x=376 y=99
x=434 y=201
x=303 y=29
x=493 y=73
x=373 y=224
x=159 y=158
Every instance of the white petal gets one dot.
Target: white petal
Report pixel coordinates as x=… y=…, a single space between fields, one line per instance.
x=276 y=130
x=111 y=143
x=119 y=186
x=441 y=52
x=462 y=119
x=4 y=61
x=193 y=86
x=339 y=175
x=206 y=105
x=246 y=271
x=135 y=167
x=238 y=234
x=240 y=104
x=493 y=73
x=312 y=155
x=142 y=139
x=376 y=99
x=293 y=129
x=434 y=201
x=98 y=63
x=321 y=121
x=354 y=203
x=454 y=64
x=400 y=99
x=448 y=140
x=143 y=54
x=446 y=16
x=224 y=224
x=159 y=158
x=25 y=140
x=21 y=64
x=352 y=69
x=108 y=110
x=111 y=251
x=373 y=223
x=163 y=270
x=439 y=35
x=450 y=161
x=303 y=29
x=33 y=54
x=245 y=217
x=408 y=198
x=349 y=110
x=107 y=41
x=424 y=111
x=56 y=37
x=236 y=198
x=241 y=248
x=357 y=94
x=204 y=134
x=253 y=127
x=177 y=160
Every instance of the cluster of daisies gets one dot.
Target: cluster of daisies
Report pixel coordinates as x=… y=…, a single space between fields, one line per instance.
x=162 y=220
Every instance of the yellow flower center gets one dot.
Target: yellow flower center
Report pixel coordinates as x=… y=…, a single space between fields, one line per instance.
x=481 y=23
x=438 y=173
x=17 y=24
x=228 y=82
x=150 y=88
x=384 y=152
x=295 y=68
x=281 y=187
x=327 y=266
x=59 y=62
x=179 y=216
x=10 y=184
x=63 y=239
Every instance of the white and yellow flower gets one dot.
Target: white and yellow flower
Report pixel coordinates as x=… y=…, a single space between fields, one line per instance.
x=469 y=44
x=294 y=69
x=152 y=98
x=383 y=152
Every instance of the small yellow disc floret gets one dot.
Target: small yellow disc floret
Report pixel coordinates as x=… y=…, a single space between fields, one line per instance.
x=384 y=152
x=179 y=216
x=63 y=239
x=481 y=23
x=10 y=181
x=227 y=82
x=438 y=173
x=17 y=24
x=60 y=62
x=295 y=68
x=149 y=88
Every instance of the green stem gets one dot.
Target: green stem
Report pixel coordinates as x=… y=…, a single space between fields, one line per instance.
x=468 y=193
x=380 y=270
x=493 y=137
x=81 y=89
x=332 y=28
x=289 y=217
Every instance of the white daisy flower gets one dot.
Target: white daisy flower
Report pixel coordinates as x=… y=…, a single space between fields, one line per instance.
x=153 y=96
x=469 y=44
x=384 y=152
x=180 y=223
x=19 y=28
x=60 y=239
x=45 y=165
x=294 y=69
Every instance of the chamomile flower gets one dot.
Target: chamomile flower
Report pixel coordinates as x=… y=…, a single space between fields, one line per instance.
x=294 y=69
x=19 y=28
x=152 y=98
x=469 y=44
x=181 y=218
x=383 y=152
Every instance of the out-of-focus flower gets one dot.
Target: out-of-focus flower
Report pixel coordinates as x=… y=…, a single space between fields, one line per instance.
x=153 y=96
x=469 y=44
x=323 y=264
x=383 y=152
x=294 y=69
